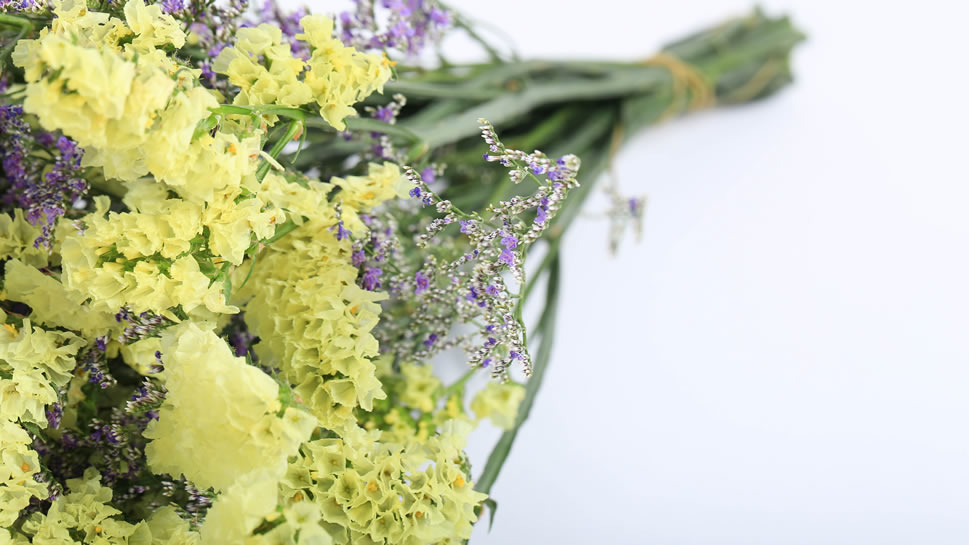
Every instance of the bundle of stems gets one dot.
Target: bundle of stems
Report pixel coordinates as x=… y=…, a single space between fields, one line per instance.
x=590 y=109
x=586 y=108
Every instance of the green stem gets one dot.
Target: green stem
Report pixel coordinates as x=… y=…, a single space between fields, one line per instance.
x=252 y=267
x=26 y=27
x=547 y=324
x=551 y=256
x=281 y=231
x=459 y=384
x=292 y=130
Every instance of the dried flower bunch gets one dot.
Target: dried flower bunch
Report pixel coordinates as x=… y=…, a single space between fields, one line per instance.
x=232 y=240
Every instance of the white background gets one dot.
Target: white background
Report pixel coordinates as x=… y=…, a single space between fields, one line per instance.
x=784 y=358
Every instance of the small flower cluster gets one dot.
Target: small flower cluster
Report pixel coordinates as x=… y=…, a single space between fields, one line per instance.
x=288 y=22
x=379 y=250
x=93 y=362
x=624 y=212
x=381 y=146
x=222 y=349
x=45 y=184
x=139 y=326
x=404 y=25
x=21 y=6
x=213 y=28
x=463 y=280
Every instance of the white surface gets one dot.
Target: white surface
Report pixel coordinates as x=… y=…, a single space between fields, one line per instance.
x=783 y=359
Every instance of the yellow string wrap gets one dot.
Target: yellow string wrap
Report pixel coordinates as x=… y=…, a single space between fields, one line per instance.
x=755 y=85
x=691 y=90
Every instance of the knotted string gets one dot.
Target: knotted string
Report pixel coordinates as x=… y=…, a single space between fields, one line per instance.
x=691 y=90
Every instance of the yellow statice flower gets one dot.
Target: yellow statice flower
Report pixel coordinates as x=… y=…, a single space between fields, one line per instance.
x=240 y=508
x=153 y=27
x=499 y=402
x=97 y=97
x=132 y=108
x=142 y=242
x=254 y=501
x=278 y=83
x=303 y=302
x=420 y=386
x=17 y=238
x=37 y=361
x=315 y=322
x=361 y=193
x=85 y=512
x=167 y=528
x=140 y=355
x=300 y=201
x=382 y=183
x=233 y=225
x=18 y=464
x=219 y=419
x=371 y=491
x=339 y=76
x=52 y=303
x=198 y=169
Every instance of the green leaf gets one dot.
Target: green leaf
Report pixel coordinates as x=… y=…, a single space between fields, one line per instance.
x=492 y=506
x=282 y=230
x=205 y=126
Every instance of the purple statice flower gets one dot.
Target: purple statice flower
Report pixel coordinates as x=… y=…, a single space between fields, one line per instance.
x=138 y=326
x=16 y=137
x=541 y=213
x=509 y=242
x=17 y=5
x=507 y=257
x=384 y=114
x=54 y=414
x=240 y=343
x=341 y=231
x=430 y=340
x=486 y=363
x=45 y=197
x=357 y=258
x=492 y=290
x=69 y=441
x=98 y=375
x=240 y=338
x=440 y=17
x=466 y=226
x=147 y=397
x=104 y=433
x=415 y=192
x=405 y=25
x=173 y=6
x=429 y=175
x=422 y=282
x=371 y=278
